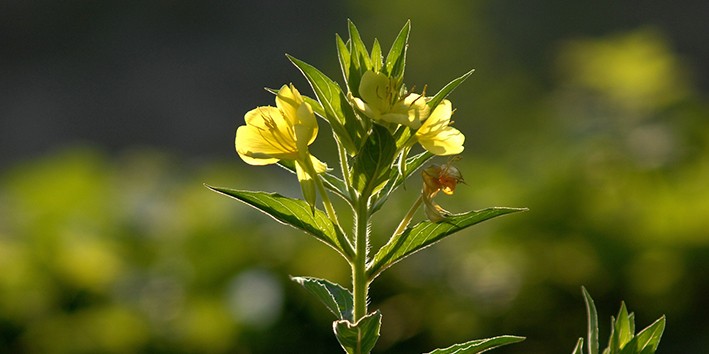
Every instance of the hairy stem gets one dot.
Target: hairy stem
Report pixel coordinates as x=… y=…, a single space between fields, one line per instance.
x=360 y=282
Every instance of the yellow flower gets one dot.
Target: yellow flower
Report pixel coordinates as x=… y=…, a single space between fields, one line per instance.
x=380 y=101
x=437 y=136
x=282 y=133
x=438 y=178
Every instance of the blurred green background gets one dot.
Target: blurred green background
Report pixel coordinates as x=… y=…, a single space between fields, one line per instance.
x=114 y=113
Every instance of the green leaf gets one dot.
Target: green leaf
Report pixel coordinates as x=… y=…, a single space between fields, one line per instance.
x=317 y=107
x=338 y=112
x=296 y=213
x=592 y=322
x=336 y=298
x=649 y=338
x=479 y=345
x=343 y=55
x=360 y=337
x=360 y=56
x=446 y=90
x=377 y=56
x=621 y=329
x=427 y=233
x=396 y=58
x=647 y=341
x=359 y=59
x=396 y=179
x=578 y=349
x=372 y=165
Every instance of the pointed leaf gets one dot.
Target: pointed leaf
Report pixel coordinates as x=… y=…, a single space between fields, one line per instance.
x=647 y=341
x=427 y=233
x=446 y=90
x=343 y=55
x=296 y=213
x=336 y=298
x=622 y=334
x=358 y=338
x=360 y=56
x=377 y=56
x=479 y=345
x=360 y=61
x=649 y=338
x=338 y=112
x=592 y=322
x=372 y=165
x=396 y=59
x=578 y=349
x=317 y=107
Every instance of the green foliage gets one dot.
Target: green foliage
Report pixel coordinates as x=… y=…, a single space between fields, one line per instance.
x=396 y=177
x=360 y=61
x=426 y=233
x=479 y=345
x=623 y=339
x=347 y=129
x=396 y=58
x=579 y=347
x=446 y=90
x=372 y=165
x=336 y=298
x=361 y=336
x=295 y=213
x=592 y=316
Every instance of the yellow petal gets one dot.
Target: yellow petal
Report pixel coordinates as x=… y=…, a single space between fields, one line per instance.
x=306 y=118
x=437 y=120
x=257 y=147
x=363 y=107
x=289 y=100
x=448 y=141
x=418 y=109
x=397 y=118
x=375 y=89
x=264 y=117
x=414 y=109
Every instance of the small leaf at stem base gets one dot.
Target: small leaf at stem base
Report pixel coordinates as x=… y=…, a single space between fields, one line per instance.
x=360 y=337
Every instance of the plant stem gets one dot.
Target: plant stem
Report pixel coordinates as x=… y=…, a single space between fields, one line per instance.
x=360 y=283
x=329 y=209
x=409 y=215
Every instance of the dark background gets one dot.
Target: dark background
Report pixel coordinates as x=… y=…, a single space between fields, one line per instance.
x=113 y=113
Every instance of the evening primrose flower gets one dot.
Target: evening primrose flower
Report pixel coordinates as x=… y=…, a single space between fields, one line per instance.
x=283 y=132
x=380 y=101
x=437 y=136
x=438 y=178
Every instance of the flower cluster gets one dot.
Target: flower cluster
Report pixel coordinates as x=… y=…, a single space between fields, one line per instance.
x=375 y=95
x=381 y=102
x=376 y=122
